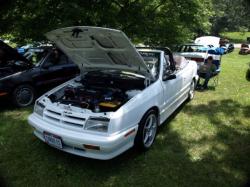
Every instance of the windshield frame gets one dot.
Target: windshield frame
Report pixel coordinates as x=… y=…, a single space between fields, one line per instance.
x=159 y=61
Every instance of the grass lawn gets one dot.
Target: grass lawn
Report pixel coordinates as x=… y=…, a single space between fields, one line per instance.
x=206 y=143
x=236 y=37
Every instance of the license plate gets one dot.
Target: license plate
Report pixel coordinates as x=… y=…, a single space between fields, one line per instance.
x=53 y=140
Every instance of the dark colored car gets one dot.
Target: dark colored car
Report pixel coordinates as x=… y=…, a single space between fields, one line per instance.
x=36 y=45
x=244 y=49
x=229 y=48
x=22 y=81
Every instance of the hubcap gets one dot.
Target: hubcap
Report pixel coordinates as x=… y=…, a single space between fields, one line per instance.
x=191 y=92
x=149 y=130
x=24 y=96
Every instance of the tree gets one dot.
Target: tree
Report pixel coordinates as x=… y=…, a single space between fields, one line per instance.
x=154 y=21
x=230 y=15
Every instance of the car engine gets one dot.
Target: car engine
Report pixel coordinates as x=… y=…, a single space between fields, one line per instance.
x=94 y=98
x=102 y=94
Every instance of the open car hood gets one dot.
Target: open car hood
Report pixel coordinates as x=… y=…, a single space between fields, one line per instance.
x=208 y=40
x=98 y=48
x=11 y=53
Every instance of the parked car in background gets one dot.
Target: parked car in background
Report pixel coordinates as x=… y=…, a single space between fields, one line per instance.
x=35 y=54
x=229 y=47
x=215 y=42
x=22 y=81
x=208 y=40
x=36 y=45
x=121 y=97
x=194 y=52
x=23 y=49
x=244 y=49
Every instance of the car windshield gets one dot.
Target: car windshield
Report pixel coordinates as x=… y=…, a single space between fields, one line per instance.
x=192 y=48
x=36 y=56
x=152 y=60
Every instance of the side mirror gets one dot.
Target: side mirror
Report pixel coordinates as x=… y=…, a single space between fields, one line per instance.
x=168 y=77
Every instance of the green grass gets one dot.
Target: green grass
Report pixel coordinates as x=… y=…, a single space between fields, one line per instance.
x=205 y=143
x=236 y=37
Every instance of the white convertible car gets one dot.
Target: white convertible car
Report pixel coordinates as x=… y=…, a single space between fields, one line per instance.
x=122 y=95
x=196 y=52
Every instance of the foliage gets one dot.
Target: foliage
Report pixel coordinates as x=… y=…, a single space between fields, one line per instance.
x=206 y=143
x=155 y=22
x=164 y=21
x=230 y=15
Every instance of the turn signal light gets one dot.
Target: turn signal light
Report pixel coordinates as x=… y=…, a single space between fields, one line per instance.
x=3 y=93
x=129 y=133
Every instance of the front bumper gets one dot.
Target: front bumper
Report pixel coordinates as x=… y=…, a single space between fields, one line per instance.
x=110 y=146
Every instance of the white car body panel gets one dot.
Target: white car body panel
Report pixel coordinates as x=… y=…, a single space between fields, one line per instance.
x=199 y=57
x=208 y=40
x=68 y=122
x=96 y=47
x=192 y=55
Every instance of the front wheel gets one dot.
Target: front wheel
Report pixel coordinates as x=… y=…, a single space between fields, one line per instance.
x=147 y=131
x=191 y=91
x=23 y=95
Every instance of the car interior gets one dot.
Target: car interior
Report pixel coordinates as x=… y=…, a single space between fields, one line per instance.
x=56 y=58
x=152 y=61
x=180 y=62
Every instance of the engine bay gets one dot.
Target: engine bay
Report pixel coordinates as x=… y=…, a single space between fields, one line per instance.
x=100 y=92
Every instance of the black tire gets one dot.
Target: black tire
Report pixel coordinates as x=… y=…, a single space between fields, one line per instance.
x=191 y=90
x=142 y=129
x=23 y=95
x=248 y=74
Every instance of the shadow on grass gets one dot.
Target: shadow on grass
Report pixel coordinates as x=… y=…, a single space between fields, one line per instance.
x=168 y=163
x=2 y=181
x=226 y=116
x=6 y=105
x=209 y=88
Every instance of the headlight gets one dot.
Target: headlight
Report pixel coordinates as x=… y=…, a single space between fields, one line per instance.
x=39 y=107
x=99 y=124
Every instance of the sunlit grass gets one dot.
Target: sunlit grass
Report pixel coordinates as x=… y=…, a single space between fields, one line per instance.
x=237 y=37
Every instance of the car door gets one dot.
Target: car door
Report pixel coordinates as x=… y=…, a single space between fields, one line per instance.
x=52 y=74
x=70 y=70
x=171 y=91
x=186 y=73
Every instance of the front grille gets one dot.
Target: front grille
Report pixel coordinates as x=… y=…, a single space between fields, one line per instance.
x=74 y=117
x=52 y=118
x=73 y=124
x=63 y=119
x=53 y=112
